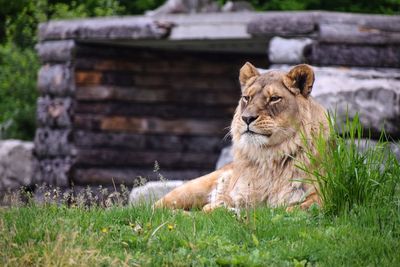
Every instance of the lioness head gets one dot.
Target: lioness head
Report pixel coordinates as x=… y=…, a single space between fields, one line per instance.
x=270 y=110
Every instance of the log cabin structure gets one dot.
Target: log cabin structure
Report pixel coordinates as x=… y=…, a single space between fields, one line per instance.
x=120 y=95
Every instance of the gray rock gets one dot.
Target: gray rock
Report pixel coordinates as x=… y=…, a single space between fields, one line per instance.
x=372 y=93
x=16 y=164
x=225 y=157
x=287 y=51
x=367 y=143
x=152 y=191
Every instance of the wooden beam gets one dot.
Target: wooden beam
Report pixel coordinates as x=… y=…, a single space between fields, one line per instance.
x=118 y=157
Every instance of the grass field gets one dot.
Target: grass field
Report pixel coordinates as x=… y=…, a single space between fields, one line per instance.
x=137 y=236
x=358 y=225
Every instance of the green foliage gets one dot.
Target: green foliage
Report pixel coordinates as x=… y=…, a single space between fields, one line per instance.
x=18 y=70
x=359 y=6
x=139 y=6
x=18 y=62
x=139 y=236
x=21 y=27
x=356 y=176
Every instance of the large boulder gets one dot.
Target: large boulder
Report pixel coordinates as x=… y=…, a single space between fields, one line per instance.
x=16 y=164
x=372 y=93
x=152 y=191
x=287 y=51
x=225 y=157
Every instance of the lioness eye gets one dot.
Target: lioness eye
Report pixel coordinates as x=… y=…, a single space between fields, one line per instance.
x=246 y=98
x=275 y=98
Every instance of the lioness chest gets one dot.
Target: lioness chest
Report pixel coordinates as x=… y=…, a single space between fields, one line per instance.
x=252 y=185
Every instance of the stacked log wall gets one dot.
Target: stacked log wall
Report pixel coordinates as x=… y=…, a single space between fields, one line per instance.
x=54 y=146
x=108 y=112
x=134 y=107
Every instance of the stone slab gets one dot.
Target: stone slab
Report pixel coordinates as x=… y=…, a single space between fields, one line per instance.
x=373 y=93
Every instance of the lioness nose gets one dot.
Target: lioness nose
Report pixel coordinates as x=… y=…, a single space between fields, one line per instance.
x=249 y=119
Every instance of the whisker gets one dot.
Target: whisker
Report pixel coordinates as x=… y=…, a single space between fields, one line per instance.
x=226 y=136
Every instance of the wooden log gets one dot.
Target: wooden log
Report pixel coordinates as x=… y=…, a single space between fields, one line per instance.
x=385 y=23
x=353 y=55
x=121 y=28
x=87 y=122
x=149 y=142
x=130 y=176
x=160 y=110
x=56 y=80
x=108 y=64
x=138 y=95
x=54 y=171
x=54 y=112
x=86 y=53
x=118 y=157
x=88 y=78
x=151 y=125
x=356 y=34
x=56 y=51
x=282 y=24
x=306 y=23
x=52 y=143
x=183 y=65
x=114 y=52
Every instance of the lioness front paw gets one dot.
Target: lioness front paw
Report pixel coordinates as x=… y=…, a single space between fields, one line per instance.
x=212 y=206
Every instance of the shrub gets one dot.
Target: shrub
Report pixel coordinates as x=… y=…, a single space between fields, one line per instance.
x=360 y=6
x=18 y=61
x=18 y=70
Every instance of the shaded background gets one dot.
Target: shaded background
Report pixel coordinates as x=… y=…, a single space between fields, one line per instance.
x=19 y=64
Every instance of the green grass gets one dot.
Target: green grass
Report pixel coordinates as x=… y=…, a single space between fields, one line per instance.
x=358 y=225
x=60 y=236
x=351 y=179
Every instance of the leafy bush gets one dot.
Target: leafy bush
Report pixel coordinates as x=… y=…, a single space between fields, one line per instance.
x=18 y=61
x=360 y=6
x=18 y=70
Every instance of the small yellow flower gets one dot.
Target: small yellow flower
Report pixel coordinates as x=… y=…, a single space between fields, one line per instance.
x=170 y=227
x=104 y=230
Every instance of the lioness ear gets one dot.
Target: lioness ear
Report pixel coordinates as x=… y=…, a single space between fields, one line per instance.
x=246 y=72
x=300 y=79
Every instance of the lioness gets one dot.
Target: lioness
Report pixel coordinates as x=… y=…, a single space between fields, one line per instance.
x=274 y=115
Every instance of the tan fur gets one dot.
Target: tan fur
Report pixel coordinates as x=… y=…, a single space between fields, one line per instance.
x=274 y=115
